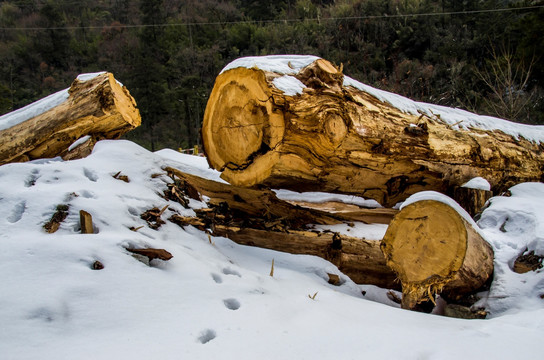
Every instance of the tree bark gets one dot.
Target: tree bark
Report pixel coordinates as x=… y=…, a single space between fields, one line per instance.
x=99 y=107
x=337 y=138
x=433 y=249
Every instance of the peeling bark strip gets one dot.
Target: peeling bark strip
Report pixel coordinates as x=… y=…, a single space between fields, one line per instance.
x=435 y=250
x=99 y=107
x=340 y=139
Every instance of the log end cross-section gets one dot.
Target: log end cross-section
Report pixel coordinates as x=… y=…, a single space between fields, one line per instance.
x=434 y=250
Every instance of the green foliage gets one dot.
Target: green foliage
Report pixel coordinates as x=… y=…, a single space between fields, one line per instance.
x=170 y=64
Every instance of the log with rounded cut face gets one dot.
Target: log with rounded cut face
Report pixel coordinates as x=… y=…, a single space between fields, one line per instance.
x=433 y=249
x=315 y=131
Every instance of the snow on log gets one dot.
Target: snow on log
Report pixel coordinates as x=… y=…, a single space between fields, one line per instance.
x=95 y=107
x=434 y=248
x=297 y=122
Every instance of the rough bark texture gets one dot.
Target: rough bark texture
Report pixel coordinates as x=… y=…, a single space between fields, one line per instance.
x=99 y=107
x=434 y=250
x=341 y=139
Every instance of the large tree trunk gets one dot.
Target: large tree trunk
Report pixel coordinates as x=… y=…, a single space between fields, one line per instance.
x=335 y=137
x=99 y=107
x=433 y=249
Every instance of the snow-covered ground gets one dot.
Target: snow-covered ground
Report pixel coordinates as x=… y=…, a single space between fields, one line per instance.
x=217 y=300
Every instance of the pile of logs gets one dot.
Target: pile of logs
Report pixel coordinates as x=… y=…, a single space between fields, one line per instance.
x=328 y=137
x=337 y=138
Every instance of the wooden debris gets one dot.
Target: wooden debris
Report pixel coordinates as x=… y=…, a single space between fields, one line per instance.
x=528 y=262
x=86 y=222
x=153 y=217
x=153 y=253
x=124 y=178
x=58 y=217
x=334 y=279
x=97 y=265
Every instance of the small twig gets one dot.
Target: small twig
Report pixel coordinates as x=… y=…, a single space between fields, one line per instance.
x=272 y=269
x=313 y=297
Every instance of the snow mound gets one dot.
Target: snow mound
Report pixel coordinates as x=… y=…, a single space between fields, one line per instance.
x=477 y=183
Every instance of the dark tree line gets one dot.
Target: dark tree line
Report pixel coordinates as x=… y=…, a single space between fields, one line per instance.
x=168 y=52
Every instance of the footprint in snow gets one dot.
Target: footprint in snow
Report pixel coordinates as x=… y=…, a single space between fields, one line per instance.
x=229 y=271
x=231 y=304
x=91 y=175
x=17 y=212
x=207 y=336
x=31 y=179
x=217 y=278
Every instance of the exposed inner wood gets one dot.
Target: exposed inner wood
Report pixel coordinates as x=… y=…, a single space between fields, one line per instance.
x=340 y=139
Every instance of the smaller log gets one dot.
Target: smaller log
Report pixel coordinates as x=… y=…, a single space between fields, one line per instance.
x=96 y=106
x=86 y=221
x=434 y=250
x=472 y=200
x=360 y=259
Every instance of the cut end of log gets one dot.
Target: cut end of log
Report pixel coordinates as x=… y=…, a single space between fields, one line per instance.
x=244 y=124
x=430 y=247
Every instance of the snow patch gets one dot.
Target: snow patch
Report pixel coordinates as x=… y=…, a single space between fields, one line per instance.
x=477 y=183
x=281 y=64
x=78 y=142
x=290 y=85
x=457 y=119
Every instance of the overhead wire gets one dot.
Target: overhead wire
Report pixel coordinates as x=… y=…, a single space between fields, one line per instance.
x=209 y=23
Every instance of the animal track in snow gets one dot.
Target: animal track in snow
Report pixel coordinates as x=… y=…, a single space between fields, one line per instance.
x=207 y=336
x=232 y=304
x=217 y=278
x=87 y=194
x=31 y=180
x=91 y=175
x=17 y=212
x=229 y=271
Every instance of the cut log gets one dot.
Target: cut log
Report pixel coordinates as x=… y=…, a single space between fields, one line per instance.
x=98 y=106
x=330 y=135
x=360 y=259
x=435 y=250
x=257 y=217
x=472 y=200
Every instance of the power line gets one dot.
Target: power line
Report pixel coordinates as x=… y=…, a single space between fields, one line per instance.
x=364 y=17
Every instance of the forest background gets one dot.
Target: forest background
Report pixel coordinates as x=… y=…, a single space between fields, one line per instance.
x=483 y=56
